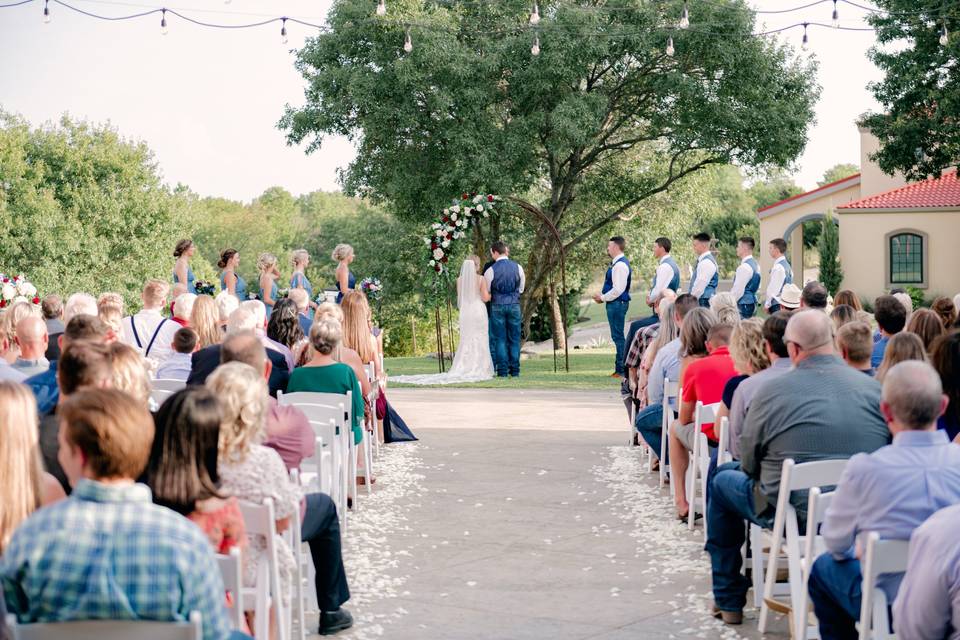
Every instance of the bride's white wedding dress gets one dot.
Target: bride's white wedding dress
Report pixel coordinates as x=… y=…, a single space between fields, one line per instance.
x=472 y=362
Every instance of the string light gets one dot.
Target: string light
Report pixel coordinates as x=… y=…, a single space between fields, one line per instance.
x=944 y=35
x=381 y=8
x=535 y=49
x=806 y=40
x=46 y=12
x=685 y=17
x=669 y=50
x=408 y=43
x=836 y=16
x=283 y=32
x=163 y=22
x=535 y=16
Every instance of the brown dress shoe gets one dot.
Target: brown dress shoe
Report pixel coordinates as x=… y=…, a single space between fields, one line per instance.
x=728 y=617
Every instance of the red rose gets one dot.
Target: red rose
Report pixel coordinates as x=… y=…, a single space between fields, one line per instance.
x=433 y=245
x=444 y=219
x=464 y=197
x=473 y=195
x=489 y=198
x=438 y=267
x=3 y=303
x=36 y=300
x=449 y=236
x=443 y=259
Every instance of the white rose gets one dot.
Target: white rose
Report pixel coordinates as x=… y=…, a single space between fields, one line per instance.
x=433 y=263
x=455 y=208
x=8 y=291
x=486 y=214
x=477 y=199
x=30 y=290
x=454 y=217
x=438 y=254
x=436 y=225
x=426 y=241
x=446 y=243
x=19 y=299
x=479 y=207
x=446 y=211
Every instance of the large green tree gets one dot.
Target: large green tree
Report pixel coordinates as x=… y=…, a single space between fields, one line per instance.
x=599 y=122
x=919 y=127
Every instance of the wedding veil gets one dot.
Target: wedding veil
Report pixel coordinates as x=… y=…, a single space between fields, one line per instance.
x=469 y=286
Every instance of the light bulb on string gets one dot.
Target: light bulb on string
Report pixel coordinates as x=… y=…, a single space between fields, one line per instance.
x=46 y=12
x=535 y=49
x=669 y=50
x=283 y=32
x=806 y=41
x=535 y=15
x=835 y=19
x=408 y=43
x=944 y=35
x=685 y=17
x=381 y=8
x=163 y=22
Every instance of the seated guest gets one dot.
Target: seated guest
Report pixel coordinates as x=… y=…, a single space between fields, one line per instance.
x=849 y=298
x=831 y=412
x=183 y=308
x=901 y=347
x=637 y=350
x=842 y=314
x=904 y=298
x=946 y=311
x=302 y=300
x=927 y=325
x=148 y=331
x=227 y=303
x=633 y=390
x=790 y=297
x=891 y=491
x=253 y=472
x=182 y=471
x=928 y=601
x=44 y=385
x=179 y=288
x=130 y=373
x=51 y=307
x=287 y=431
x=109 y=552
x=284 y=326
x=725 y=306
x=814 y=296
x=26 y=486
x=946 y=360
x=891 y=317
x=749 y=354
x=259 y=312
x=855 y=343
x=204 y=361
x=342 y=353
x=323 y=374
x=110 y=310
x=7 y=372
x=205 y=321
x=178 y=365
x=32 y=339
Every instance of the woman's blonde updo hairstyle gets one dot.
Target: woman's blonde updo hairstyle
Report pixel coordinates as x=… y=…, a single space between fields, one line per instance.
x=266 y=261
x=299 y=258
x=243 y=397
x=341 y=252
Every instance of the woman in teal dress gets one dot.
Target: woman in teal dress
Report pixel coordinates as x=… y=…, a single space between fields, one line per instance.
x=301 y=259
x=323 y=374
x=346 y=282
x=230 y=280
x=267 y=266
x=181 y=268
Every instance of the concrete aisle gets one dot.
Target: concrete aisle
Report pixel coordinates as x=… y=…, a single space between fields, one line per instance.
x=515 y=530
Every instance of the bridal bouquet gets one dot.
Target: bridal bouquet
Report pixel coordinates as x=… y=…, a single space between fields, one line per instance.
x=17 y=289
x=205 y=288
x=372 y=288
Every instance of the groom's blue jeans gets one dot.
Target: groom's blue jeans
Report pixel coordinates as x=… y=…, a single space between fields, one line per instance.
x=505 y=327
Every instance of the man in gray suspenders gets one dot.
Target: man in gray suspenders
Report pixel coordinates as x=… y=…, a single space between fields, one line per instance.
x=148 y=331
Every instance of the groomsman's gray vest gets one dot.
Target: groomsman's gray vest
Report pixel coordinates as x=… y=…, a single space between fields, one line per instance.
x=711 y=288
x=674 y=284
x=506 y=283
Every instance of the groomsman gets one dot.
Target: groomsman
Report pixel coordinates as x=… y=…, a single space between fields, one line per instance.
x=703 y=284
x=616 y=293
x=666 y=277
x=746 y=281
x=780 y=275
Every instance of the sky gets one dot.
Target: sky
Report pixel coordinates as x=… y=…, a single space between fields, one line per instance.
x=207 y=101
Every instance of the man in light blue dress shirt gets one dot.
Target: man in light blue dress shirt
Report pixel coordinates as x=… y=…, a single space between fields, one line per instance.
x=891 y=491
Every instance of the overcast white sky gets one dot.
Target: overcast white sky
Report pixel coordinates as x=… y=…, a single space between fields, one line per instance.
x=207 y=101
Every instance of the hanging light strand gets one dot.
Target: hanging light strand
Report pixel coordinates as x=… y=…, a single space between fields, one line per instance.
x=806 y=40
x=163 y=22
x=408 y=43
x=835 y=18
x=381 y=8
x=684 y=17
x=535 y=15
x=283 y=32
x=46 y=11
x=535 y=49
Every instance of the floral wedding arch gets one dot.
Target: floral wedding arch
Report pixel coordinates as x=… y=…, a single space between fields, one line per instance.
x=454 y=224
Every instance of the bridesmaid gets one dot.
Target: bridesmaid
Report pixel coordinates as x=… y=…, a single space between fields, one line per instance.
x=301 y=259
x=343 y=254
x=230 y=280
x=267 y=266
x=182 y=273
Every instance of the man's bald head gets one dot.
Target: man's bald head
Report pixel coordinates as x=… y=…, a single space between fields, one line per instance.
x=811 y=333
x=32 y=337
x=912 y=397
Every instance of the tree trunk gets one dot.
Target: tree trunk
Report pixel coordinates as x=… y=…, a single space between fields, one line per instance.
x=556 y=318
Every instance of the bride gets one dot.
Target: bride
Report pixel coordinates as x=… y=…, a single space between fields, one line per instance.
x=472 y=362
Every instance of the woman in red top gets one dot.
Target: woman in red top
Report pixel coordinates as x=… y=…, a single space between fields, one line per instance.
x=702 y=381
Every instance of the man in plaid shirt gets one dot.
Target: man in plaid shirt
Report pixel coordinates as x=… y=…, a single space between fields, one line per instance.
x=107 y=552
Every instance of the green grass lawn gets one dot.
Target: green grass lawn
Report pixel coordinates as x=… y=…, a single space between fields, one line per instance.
x=587 y=371
x=597 y=313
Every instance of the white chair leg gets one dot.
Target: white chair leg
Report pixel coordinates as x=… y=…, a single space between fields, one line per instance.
x=367 y=459
x=756 y=563
x=692 y=485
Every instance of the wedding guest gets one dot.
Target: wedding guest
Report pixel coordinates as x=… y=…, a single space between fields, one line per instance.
x=298 y=280
x=304 y=313
x=927 y=325
x=703 y=284
x=26 y=486
x=356 y=328
x=32 y=339
x=205 y=321
x=780 y=275
x=790 y=297
x=945 y=358
x=749 y=354
x=902 y=347
x=227 y=303
x=269 y=272
x=891 y=491
x=128 y=558
x=260 y=314
x=814 y=296
x=148 y=331
x=343 y=255
x=342 y=353
x=847 y=297
x=746 y=281
x=284 y=324
x=130 y=372
x=230 y=280
x=843 y=314
x=904 y=298
x=178 y=290
x=253 y=472
x=946 y=311
x=11 y=318
x=845 y=419
x=639 y=357
x=891 y=317
x=724 y=305
x=182 y=272
x=183 y=308
x=51 y=307
x=110 y=309
x=7 y=372
x=179 y=364
x=616 y=295
x=855 y=344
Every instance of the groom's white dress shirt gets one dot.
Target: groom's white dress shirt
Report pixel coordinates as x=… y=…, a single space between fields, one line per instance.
x=488 y=274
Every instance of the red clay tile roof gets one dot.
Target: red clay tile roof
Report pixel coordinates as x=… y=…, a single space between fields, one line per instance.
x=807 y=193
x=943 y=191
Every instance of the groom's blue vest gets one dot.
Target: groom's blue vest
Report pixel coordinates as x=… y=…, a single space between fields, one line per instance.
x=750 y=292
x=608 y=281
x=506 y=283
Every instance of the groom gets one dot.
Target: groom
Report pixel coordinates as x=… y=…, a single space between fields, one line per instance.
x=505 y=280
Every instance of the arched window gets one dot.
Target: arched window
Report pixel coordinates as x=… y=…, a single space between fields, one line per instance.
x=907 y=258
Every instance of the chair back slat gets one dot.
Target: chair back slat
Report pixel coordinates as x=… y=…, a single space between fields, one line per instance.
x=108 y=629
x=232 y=572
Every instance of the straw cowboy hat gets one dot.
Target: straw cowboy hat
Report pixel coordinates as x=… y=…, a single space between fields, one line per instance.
x=790 y=296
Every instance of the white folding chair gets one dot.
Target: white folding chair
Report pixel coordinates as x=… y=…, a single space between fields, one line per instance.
x=372 y=397
x=327 y=470
x=292 y=536
x=817 y=504
x=723 y=444
x=260 y=520
x=670 y=391
x=793 y=477
x=108 y=629
x=882 y=556
x=699 y=463
x=232 y=572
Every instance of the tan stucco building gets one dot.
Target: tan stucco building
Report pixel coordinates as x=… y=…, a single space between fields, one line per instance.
x=892 y=234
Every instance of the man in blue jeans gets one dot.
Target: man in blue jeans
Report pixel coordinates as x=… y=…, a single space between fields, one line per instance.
x=506 y=281
x=616 y=294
